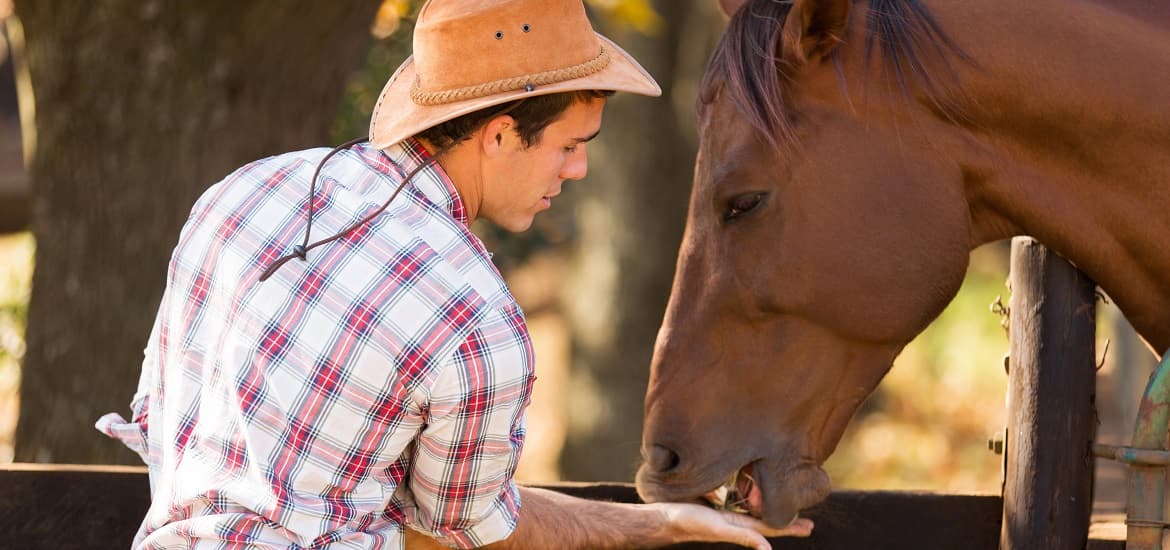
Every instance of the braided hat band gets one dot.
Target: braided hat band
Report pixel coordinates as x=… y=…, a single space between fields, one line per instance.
x=524 y=82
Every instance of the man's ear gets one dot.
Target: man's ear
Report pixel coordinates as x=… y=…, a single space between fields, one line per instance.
x=729 y=7
x=498 y=132
x=813 y=30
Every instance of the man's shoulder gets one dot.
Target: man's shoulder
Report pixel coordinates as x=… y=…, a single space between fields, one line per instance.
x=266 y=175
x=301 y=164
x=460 y=258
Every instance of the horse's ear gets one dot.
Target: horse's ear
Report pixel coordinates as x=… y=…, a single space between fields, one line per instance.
x=729 y=7
x=813 y=29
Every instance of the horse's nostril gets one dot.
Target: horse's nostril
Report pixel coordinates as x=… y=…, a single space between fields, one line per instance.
x=662 y=459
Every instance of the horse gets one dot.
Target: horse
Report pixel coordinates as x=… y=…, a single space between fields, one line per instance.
x=851 y=154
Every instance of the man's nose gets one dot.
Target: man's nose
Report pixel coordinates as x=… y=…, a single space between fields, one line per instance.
x=577 y=165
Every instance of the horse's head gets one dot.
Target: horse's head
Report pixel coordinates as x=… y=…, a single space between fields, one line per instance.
x=817 y=245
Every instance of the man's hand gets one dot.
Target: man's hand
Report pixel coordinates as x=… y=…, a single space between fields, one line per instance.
x=699 y=523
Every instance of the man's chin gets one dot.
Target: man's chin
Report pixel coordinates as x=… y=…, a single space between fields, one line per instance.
x=513 y=225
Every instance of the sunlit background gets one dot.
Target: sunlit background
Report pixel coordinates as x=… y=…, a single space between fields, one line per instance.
x=927 y=427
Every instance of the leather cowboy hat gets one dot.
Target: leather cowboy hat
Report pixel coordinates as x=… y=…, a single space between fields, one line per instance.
x=473 y=54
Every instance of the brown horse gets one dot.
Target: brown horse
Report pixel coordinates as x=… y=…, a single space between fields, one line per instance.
x=851 y=154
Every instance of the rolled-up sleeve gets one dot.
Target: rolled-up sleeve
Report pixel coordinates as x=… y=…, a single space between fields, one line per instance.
x=462 y=477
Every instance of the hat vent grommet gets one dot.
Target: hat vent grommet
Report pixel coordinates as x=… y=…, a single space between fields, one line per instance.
x=530 y=87
x=526 y=27
x=499 y=35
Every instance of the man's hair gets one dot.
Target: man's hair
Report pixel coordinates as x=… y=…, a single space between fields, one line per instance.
x=532 y=116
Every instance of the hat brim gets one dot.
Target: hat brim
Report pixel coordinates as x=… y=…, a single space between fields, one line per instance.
x=397 y=117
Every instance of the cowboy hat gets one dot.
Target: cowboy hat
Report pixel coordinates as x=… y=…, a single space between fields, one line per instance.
x=473 y=54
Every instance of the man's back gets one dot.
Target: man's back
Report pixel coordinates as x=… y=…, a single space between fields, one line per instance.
x=291 y=410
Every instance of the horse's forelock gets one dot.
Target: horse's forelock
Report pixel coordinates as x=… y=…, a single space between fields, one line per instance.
x=748 y=67
x=746 y=63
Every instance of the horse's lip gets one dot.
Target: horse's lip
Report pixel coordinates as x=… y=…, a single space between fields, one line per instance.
x=674 y=487
x=785 y=488
x=654 y=487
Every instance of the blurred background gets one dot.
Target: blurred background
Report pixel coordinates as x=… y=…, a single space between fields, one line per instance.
x=115 y=116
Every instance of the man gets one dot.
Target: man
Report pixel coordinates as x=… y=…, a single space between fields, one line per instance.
x=367 y=389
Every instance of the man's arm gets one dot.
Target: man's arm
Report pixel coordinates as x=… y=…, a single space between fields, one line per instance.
x=552 y=520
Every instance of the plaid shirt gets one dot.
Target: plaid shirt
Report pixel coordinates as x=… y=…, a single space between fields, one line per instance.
x=380 y=384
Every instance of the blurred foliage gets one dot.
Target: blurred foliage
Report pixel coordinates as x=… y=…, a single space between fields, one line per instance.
x=637 y=15
x=16 y=261
x=389 y=17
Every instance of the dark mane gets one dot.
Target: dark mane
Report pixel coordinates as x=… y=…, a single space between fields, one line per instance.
x=748 y=65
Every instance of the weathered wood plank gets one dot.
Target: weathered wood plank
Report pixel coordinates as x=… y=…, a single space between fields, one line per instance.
x=71 y=507
x=1048 y=489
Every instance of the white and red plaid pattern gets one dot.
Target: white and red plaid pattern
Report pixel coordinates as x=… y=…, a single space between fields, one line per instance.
x=377 y=386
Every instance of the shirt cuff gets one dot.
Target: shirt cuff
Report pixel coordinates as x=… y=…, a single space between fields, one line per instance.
x=131 y=434
x=497 y=525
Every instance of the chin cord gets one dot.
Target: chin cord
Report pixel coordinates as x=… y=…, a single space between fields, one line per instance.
x=301 y=251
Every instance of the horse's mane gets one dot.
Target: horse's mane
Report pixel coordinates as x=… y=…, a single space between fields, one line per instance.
x=748 y=64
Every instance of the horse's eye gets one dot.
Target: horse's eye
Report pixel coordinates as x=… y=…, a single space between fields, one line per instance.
x=742 y=204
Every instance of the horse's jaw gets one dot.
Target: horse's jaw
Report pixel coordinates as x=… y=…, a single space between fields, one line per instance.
x=787 y=489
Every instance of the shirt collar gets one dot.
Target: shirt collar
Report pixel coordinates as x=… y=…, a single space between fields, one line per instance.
x=432 y=181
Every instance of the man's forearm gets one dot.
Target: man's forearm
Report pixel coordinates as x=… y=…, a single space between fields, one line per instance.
x=552 y=520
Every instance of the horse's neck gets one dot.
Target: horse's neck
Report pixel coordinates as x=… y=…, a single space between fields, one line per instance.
x=1154 y=13
x=1072 y=135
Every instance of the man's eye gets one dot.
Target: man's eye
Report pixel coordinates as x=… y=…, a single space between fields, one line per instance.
x=742 y=204
x=571 y=149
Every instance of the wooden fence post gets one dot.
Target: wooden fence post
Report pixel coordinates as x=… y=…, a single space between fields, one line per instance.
x=1048 y=485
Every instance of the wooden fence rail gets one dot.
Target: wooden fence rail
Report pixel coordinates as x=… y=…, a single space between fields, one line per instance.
x=98 y=508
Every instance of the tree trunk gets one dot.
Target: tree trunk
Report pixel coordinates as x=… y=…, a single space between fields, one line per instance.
x=141 y=105
x=14 y=193
x=631 y=213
